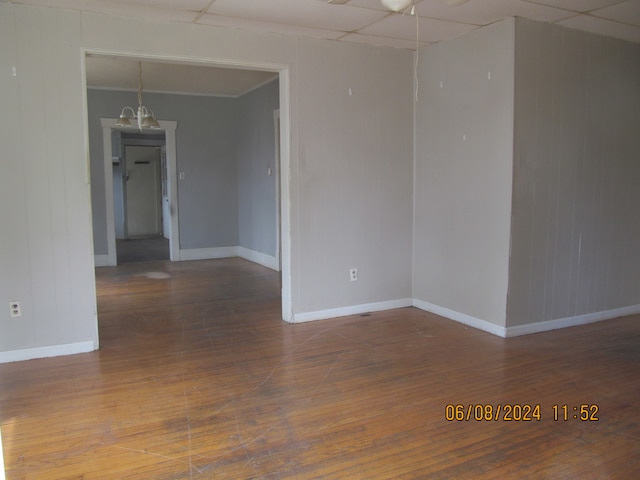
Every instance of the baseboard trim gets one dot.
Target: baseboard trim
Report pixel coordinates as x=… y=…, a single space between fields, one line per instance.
x=259 y=258
x=228 y=252
x=207 y=253
x=351 y=310
x=461 y=318
x=528 y=328
x=574 y=321
x=47 y=351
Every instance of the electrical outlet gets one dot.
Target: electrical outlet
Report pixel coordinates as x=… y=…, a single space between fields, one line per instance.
x=14 y=309
x=353 y=274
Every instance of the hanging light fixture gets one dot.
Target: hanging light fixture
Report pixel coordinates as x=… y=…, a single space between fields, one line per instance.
x=397 y=5
x=143 y=117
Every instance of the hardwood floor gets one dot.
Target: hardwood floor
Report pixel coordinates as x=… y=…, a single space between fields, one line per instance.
x=198 y=378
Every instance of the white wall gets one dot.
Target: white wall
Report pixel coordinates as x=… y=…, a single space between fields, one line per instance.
x=46 y=256
x=464 y=146
x=350 y=187
x=353 y=175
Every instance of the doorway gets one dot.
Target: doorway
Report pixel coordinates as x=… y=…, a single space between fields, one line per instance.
x=173 y=178
x=140 y=193
x=114 y=142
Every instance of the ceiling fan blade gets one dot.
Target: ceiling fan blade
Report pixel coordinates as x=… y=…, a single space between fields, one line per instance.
x=337 y=2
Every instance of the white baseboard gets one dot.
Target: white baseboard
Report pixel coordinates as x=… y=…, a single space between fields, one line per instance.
x=259 y=258
x=228 y=252
x=101 y=260
x=208 y=253
x=351 y=310
x=461 y=317
x=47 y=351
x=571 y=321
x=528 y=328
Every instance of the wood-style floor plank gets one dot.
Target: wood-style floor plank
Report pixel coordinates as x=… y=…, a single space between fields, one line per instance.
x=197 y=377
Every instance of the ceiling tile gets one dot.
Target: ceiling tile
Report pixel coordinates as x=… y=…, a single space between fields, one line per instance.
x=404 y=27
x=383 y=41
x=139 y=11
x=485 y=12
x=575 y=5
x=306 y=13
x=220 y=21
x=603 y=27
x=368 y=18
x=116 y=8
x=625 y=12
x=187 y=5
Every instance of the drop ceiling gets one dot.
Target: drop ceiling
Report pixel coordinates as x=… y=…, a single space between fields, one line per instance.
x=360 y=21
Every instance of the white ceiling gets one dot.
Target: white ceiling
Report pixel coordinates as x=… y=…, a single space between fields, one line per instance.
x=360 y=21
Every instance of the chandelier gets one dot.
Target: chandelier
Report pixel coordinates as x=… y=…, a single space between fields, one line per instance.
x=143 y=117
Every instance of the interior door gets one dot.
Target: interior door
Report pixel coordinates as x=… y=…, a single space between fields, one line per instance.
x=143 y=191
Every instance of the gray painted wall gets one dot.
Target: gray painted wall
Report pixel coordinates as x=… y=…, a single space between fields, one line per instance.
x=575 y=230
x=464 y=131
x=256 y=153
x=227 y=198
x=353 y=175
x=206 y=153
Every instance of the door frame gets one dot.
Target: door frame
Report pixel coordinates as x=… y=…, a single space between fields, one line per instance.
x=169 y=127
x=284 y=77
x=276 y=167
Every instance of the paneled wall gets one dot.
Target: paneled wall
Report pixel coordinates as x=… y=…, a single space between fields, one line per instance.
x=46 y=254
x=576 y=196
